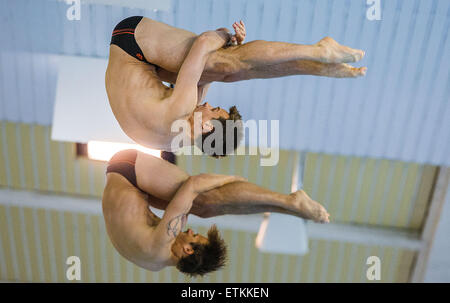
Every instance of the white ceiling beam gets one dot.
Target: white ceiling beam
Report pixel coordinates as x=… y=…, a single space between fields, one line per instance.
x=431 y=224
x=365 y=235
x=276 y=228
x=93 y=206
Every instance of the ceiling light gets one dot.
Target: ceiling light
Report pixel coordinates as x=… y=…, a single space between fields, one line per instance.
x=103 y=151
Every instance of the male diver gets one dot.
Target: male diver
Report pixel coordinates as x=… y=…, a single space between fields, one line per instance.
x=136 y=181
x=145 y=52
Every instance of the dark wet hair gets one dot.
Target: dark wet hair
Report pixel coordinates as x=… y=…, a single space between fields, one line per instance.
x=206 y=257
x=236 y=135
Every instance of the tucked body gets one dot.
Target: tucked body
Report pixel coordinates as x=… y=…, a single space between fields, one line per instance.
x=144 y=53
x=136 y=181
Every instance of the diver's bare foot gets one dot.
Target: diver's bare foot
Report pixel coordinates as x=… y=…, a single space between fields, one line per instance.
x=308 y=208
x=332 y=52
x=343 y=70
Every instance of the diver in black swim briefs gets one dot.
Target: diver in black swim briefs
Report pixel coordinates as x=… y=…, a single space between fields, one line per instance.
x=123 y=37
x=135 y=181
x=146 y=108
x=123 y=163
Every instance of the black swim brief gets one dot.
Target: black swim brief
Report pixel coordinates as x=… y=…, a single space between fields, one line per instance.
x=123 y=37
x=124 y=163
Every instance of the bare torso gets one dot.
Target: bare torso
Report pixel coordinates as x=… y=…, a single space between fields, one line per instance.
x=136 y=96
x=135 y=89
x=131 y=225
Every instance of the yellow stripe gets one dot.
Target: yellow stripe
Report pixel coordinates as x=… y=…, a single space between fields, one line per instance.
x=332 y=262
x=3 y=178
x=264 y=269
x=84 y=175
x=309 y=173
x=378 y=193
x=96 y=236
x=57 y=233
x=11 y=141
x=346 y=260
x=226 y=234
x=284 y=173
x=99 y=177
x=291 y=260
x=359 y=264
x=350 y=190
x=68 y=229
x=7 y=253
x=26 y=157
x=110 y=263
x=196 y=164
x=386 y=264
x=397 y=168
x=336 y=187
x=136 y=274
x=16 y=227
x=44 y=244
x=181 y=162
x=239 y=263
x=423 y=196
x=56 y=164
x=323 y=177
x=407 y=198
x=123 y=269
x=405 y=266
x=320 y=256
x=32 y=249
x=41 y=155
x=239 y=165
x=306 y=259
x=254 y=168
x=367 y=184
x=69 y=160
x=83 y=248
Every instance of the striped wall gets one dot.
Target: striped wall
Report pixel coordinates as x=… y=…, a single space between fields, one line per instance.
x=35 y=242
x=277 y=178
x=370 y=191
x=30 y=160
x=354 y=190
x=34 y=245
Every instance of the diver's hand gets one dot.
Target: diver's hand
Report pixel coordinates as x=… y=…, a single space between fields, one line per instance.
x=239 y=36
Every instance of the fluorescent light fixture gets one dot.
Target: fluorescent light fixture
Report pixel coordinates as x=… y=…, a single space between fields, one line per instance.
x=103 y=151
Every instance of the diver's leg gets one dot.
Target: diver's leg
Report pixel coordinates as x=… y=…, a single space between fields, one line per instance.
x=234 y=198
x=258 y=60
x=247 y=198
